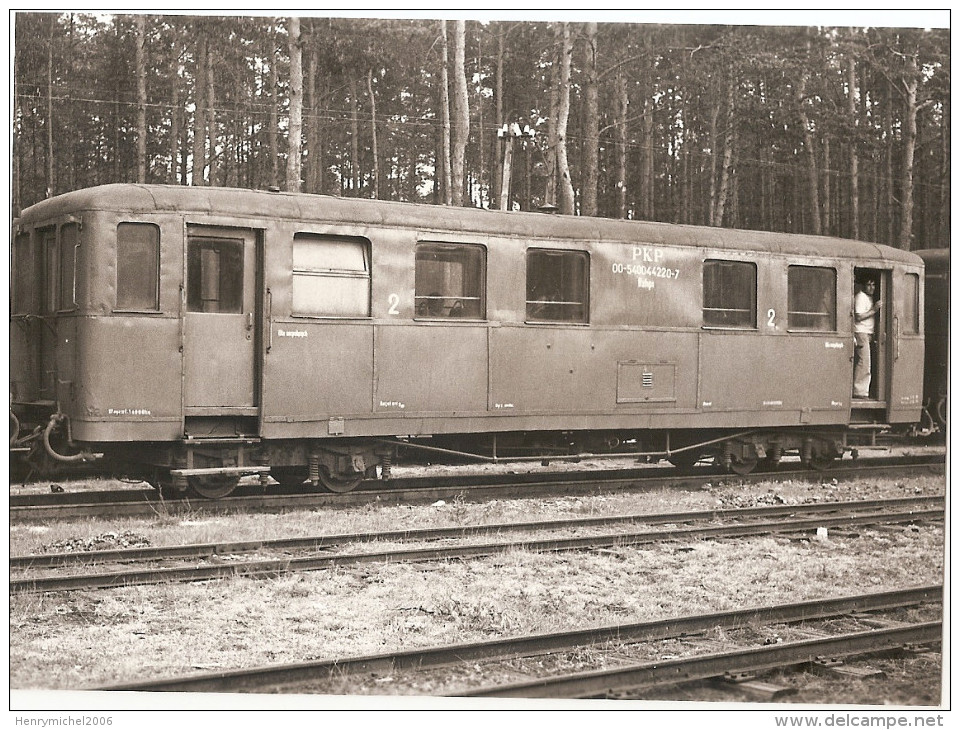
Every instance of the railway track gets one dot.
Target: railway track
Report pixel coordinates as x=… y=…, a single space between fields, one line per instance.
x=212 y=561
x=146 y=503
x=754 y=660
x=316 y=676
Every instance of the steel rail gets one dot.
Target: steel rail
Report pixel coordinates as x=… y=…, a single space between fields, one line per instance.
x=368 y=487
x=373 y=486
x=691 y=669
x=277 y=676
x=204 y=550
x=276 y=567
x=479 y=488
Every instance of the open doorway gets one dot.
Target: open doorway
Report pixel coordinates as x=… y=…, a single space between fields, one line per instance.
x=871 y=296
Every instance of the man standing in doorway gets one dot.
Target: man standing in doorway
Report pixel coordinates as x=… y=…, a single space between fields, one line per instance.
x=864 y=317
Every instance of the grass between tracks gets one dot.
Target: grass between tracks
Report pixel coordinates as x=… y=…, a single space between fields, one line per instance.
x=83 y=639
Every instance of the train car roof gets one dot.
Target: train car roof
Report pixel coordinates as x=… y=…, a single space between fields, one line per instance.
x=935 y=258
x=262 y=204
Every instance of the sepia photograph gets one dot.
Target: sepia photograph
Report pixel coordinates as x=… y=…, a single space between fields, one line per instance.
x=479 y=361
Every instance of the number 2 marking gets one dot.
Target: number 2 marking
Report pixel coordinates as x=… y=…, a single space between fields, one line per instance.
x=394 y=300
x=771 y=315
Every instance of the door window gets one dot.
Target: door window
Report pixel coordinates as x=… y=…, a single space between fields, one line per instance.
x=69 y=240
x=215 y=275
x=51 y=279
x=911 y=304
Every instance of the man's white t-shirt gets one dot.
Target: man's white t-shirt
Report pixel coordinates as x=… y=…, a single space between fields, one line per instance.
x=862 y=304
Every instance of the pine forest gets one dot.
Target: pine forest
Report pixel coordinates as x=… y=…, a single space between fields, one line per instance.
x=840 y=131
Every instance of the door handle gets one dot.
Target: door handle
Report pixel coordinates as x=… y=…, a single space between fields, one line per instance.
x=249 y=321
x=269 y=320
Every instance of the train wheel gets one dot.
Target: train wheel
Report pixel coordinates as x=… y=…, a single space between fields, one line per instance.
x=822 y=462
x=164 y=487
x=289 y=477
x=339 y=483
x=213 y=487
x=769 y=464
x=942 y=412
x=161 y=480
x=685 y=460
x=743 y=466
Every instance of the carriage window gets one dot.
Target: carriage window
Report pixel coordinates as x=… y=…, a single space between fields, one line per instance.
x=449 y=281
x=558 y=284
x=729 y=294
x=331 y=276
x=24 y=278
x=51 y=279
x=138 y=267
x=69 y=239
x=911 y=304
x=215 y=275
x=811 y=298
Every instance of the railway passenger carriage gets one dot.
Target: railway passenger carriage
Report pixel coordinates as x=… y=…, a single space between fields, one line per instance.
x=200 y=334
x=937 y=336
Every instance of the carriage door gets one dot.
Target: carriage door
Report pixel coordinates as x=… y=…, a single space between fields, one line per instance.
x=220 y=337
x=880 y=356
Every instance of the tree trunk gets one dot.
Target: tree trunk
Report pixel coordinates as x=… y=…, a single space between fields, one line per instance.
x=313 y=119
x=714 y=161
x=199 y=113
x=320 y=147
x=911 y=75
x=481 y=172
x=767 y=192
x=591 y=122
x=854 y=228
x=646 y=158
x=212 y=157
x=687 y=165
x=140 y=39
x=734 y=185
x=498 y=97
x=373 y=134
x=295 y=133
x=460 y=112
x=175 y=114
x=566 y=202
x=623 y=103
x=51 y=182
x=723 y=190
x=273 y=134
x=446 y=185
x=553 y=143
x=355 y=176
x=826 y=225
x=889 y=201
x=813 y=187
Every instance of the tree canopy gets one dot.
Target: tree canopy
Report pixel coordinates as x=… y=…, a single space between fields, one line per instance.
x=839 y=131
